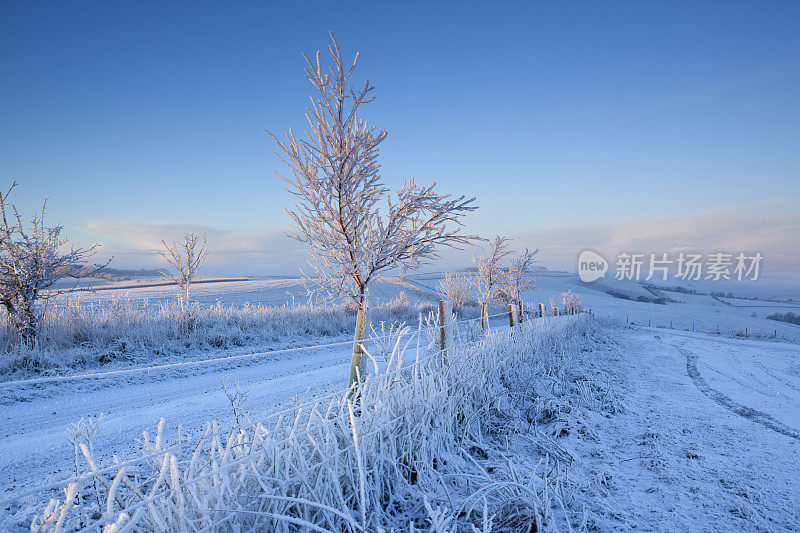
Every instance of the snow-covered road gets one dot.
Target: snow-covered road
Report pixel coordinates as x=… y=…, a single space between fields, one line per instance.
x=33 y=440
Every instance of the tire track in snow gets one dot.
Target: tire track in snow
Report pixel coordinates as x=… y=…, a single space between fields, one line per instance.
x=746 y=412
x=776 y=377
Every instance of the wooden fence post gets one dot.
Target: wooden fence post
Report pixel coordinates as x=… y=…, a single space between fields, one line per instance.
x=519 y=313
x=445 y=315
x=541 y=310
x=555 y=311
x=511 y=313
x=483 y=316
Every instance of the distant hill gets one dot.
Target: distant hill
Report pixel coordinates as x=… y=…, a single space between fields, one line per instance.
x=116 y=274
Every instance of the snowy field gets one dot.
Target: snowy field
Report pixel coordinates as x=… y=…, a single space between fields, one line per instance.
x=228 y=292
x=671 y=428
x=708 y=314
x=708 y=438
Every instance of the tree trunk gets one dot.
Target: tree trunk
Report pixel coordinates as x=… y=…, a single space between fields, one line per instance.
x=26 y=326
x=357 y=366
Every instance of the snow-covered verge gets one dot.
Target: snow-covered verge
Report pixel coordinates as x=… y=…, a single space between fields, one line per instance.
x=708 y=438
x=121 y=332
x=472 y=439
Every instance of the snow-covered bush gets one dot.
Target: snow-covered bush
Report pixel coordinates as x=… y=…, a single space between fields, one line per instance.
x=121 y=332
x=455 y=287
x=467 y=444
x=571 y=300
x=554 y=301
x=32 y=259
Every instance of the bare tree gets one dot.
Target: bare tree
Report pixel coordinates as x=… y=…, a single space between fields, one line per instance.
x=517 y=280
x=569 y=300
x=456 y=288
x=184 y=260
x=336 y=180
x=31 y=261
x=491 y=274
x=553 y=301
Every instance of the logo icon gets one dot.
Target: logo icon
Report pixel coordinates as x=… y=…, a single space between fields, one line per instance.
x=591 y=266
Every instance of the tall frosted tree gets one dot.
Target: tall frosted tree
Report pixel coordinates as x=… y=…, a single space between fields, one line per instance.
x=355 y=228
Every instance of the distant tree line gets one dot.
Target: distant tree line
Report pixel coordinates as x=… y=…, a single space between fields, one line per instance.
x=115 y=274
x=791 y=318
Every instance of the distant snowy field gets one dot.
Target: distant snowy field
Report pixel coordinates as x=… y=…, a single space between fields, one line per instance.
x=709 y=437
x=708 y=314
x=236 y=292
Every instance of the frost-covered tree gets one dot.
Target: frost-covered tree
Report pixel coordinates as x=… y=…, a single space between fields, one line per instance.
x=456 y=288
x=32 y=258
x=554 y=301
x=355 y=229
x=184 y=259
x=517 y=279
x=569 y=300
x=491 y=273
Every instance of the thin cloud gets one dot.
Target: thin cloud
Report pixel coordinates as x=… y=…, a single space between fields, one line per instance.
x=756 y=228
x=138 y=244
x=769 y=228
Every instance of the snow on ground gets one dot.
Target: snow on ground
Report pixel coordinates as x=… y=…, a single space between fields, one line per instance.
x=709 y=439
x=34 y=449
x=235 y=292
x=704 y=312
x=741 y=302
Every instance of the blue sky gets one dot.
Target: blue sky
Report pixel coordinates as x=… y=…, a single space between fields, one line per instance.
x=661 y=125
